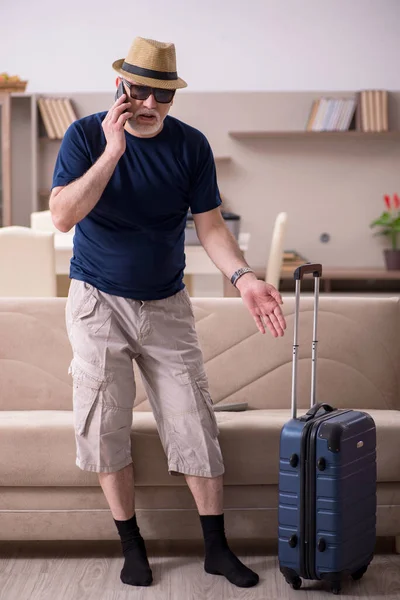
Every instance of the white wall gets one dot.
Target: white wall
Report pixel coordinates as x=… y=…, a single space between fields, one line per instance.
x=221 y=44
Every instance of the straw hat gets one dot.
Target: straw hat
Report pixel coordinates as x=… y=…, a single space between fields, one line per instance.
x=150 y=63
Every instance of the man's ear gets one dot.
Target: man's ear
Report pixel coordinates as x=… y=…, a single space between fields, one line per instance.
x=117 y=81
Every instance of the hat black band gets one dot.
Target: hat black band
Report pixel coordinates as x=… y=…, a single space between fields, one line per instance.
x=170 y=75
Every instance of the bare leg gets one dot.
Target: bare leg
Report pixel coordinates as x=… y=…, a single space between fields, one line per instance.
x=208 y=493
x=119 y=491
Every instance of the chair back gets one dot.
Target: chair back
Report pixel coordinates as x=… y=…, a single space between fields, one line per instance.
x=27 y=262
x=275 y=257
x=42 y=221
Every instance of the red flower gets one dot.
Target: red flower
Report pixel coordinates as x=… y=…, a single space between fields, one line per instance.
x=387 y=201
x=396 y=200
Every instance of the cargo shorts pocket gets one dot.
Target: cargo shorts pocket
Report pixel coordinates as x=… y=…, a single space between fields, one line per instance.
x=91 y=311
x=88 y=382
x=184 y=294
x=205 y=403
x=85 y=305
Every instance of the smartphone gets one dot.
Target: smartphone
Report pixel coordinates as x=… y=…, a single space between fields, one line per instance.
x=119 y=92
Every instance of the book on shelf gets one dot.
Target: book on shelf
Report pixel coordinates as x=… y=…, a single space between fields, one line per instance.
x=291 y=260
x=374 y=110
x=289 y=255
x=366 y=111
x=332 y=114
x=57 y=115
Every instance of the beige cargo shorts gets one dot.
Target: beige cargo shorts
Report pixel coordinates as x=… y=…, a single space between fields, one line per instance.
x=107 y=333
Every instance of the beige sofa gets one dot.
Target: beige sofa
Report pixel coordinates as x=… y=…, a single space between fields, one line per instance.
x=44 y=495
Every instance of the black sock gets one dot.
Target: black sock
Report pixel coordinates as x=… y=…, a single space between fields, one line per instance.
x=136 y=570
x=219 y=559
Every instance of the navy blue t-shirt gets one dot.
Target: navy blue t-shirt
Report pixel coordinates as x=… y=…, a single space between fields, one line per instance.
x=131 y=244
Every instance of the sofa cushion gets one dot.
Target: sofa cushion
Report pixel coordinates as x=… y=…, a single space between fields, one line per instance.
x=38 y=448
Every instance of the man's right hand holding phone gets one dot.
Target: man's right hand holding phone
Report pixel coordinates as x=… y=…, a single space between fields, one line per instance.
x=113 y=127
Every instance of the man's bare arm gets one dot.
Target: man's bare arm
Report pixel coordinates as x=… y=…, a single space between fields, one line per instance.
x=219 y=243
x=71 y=203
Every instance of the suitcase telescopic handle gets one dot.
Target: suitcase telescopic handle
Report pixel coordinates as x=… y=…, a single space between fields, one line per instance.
x=316 y=270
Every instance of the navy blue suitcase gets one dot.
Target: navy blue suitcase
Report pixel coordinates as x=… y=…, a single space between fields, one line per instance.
x=327 y=482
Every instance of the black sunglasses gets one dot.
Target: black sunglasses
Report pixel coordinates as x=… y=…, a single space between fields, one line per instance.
x=142 y=92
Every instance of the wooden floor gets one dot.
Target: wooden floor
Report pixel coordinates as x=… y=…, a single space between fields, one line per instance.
x=90 y=571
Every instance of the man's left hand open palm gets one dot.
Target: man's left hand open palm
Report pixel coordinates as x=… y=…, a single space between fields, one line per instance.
x=263 y=302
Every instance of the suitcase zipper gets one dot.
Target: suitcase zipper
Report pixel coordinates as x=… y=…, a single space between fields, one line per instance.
x=308 y=490
x=304 y=487
x=312 y=506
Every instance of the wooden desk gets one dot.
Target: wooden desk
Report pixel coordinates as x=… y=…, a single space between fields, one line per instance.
x=350 y=274
x=197 y=260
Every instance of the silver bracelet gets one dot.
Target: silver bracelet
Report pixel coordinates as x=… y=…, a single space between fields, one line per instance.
x=237 y=274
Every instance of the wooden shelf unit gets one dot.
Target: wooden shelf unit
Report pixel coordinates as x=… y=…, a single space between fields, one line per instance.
x=19 y=152
x=5 y=159
x=282 y=117
x=344 y=279
x=387 y=135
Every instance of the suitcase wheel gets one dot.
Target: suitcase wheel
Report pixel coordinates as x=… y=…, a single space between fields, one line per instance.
x=358 y=574
x=336 y=589
x=295 y=584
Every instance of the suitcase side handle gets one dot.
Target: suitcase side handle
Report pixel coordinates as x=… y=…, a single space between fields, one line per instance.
x=311 y=414
x=314 y=268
